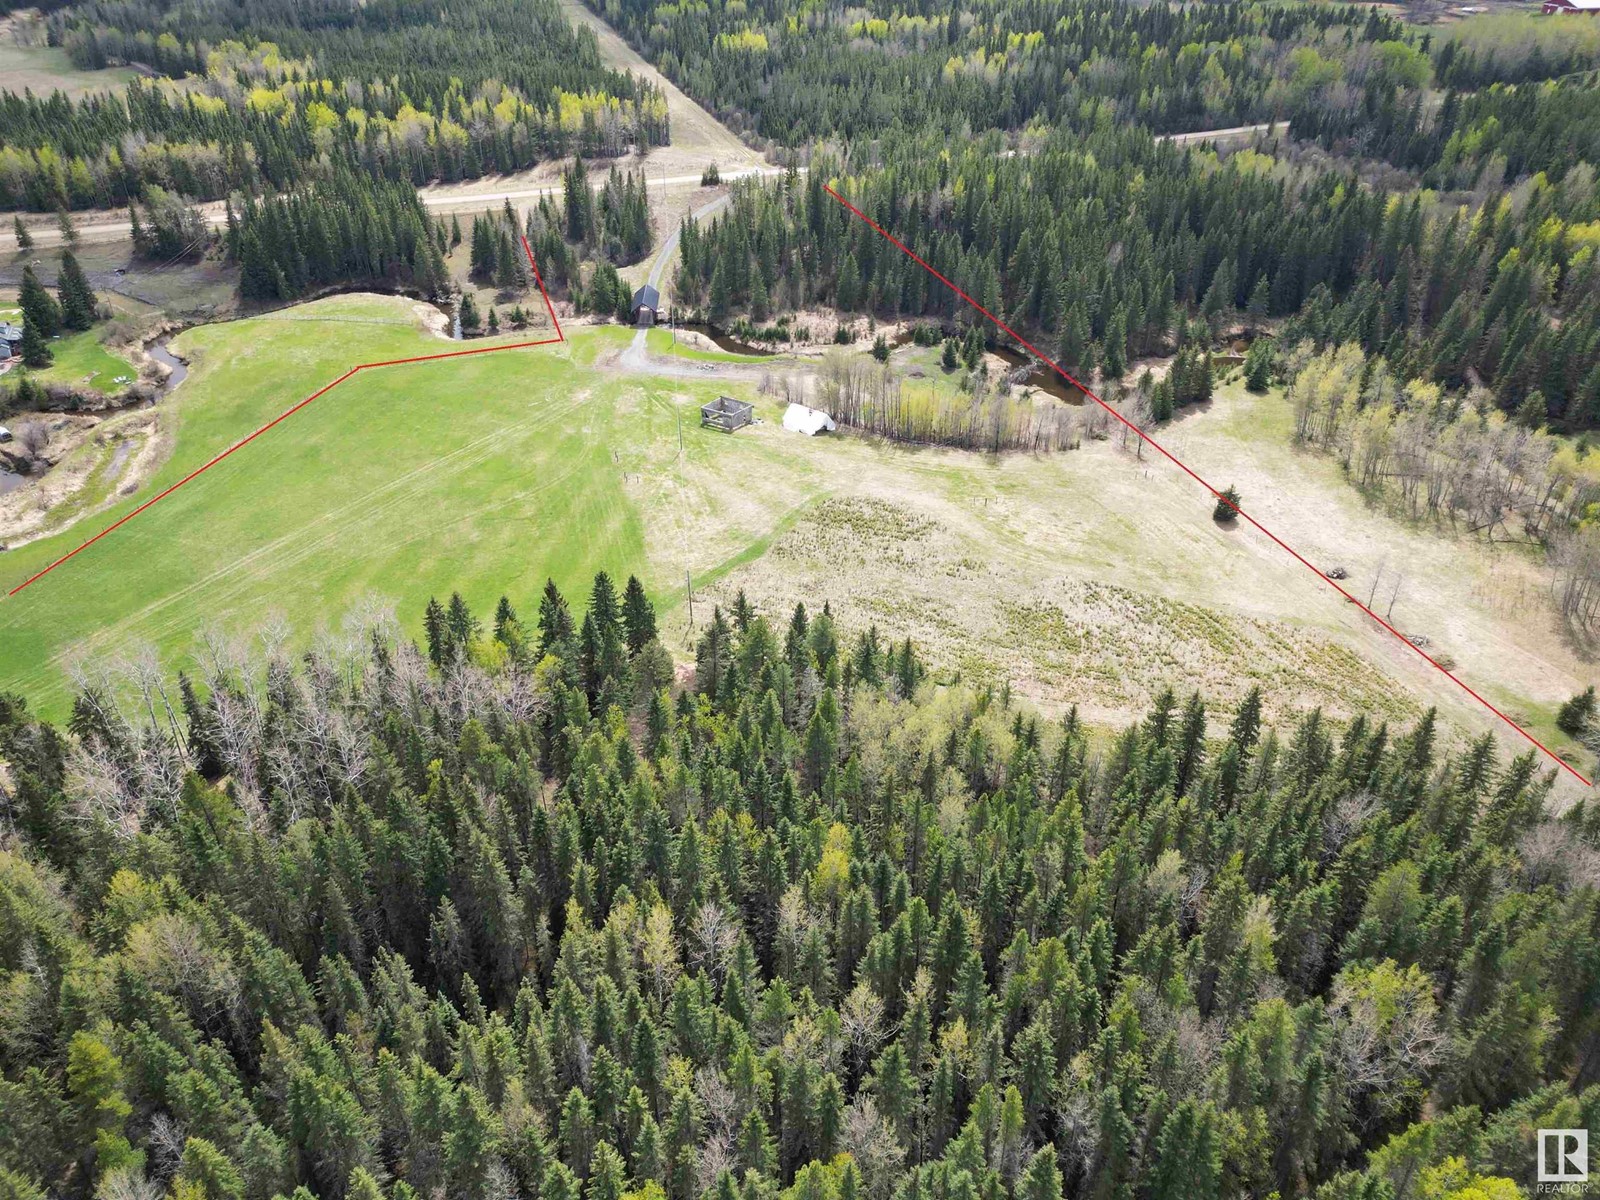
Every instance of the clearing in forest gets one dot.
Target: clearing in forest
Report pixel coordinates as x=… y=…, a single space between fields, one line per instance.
x=1083 y=577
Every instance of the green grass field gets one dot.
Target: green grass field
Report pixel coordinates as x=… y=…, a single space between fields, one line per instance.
x=1092 y=577
x=47 y=69
x=81 y=359
x=485 y=474
x=662 y=343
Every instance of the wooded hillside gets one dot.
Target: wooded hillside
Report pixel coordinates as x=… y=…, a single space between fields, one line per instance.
x=508 y=916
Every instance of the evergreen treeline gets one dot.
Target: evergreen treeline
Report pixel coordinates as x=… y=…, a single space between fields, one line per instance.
x=496 y=254
x=799 y=73
x=521 y=921
x=615 y=224
x=1103 y=245
x=351 y=230
x=412 y=90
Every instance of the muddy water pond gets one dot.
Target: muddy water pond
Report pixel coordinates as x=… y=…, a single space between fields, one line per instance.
x=724 y=341
x=10 y=481
x=1041 y=376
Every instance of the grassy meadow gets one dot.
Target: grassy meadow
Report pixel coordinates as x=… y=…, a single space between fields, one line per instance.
x=1091 y=577
x=485 y=474
x=81 y=359
x=46 y=69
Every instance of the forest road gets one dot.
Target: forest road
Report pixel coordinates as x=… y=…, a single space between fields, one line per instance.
x=697 y=136
x=636 y=357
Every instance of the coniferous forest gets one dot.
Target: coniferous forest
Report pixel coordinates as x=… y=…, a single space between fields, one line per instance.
x=286 y=93
x=1053 y=243
x=1448 y=227
x=515 y=915
x=525 y=908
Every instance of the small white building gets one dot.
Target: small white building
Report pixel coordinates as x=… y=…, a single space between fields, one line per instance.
x=5 y=435
x=809 y=421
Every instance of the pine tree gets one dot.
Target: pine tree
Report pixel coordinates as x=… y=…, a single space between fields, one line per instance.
x=468 y=312
x=1188 y=1155
x=1260 y=300
x=23 y=233
x=1115 y=362
x=1227 y=508
x=638 y=616
x=39 y=309
x=35 y=350
x=78 y=301
x=1578 y=713
x=206 y=1169
x=1258 y=365
x=436 y=632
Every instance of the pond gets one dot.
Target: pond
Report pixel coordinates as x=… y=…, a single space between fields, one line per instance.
x=723 y=340
x=1042 y=375
x=10 y=481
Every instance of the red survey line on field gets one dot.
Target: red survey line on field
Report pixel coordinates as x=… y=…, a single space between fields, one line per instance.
x=1187 y=470
x=284 y=416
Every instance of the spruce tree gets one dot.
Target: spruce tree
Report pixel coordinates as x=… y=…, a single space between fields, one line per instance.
x=638 y=616
x=1578 y=713
x=35 y=350
x=1258 y=365
x=39 y=309
x=468 y=312
x=1227 y=505
x=78 y=301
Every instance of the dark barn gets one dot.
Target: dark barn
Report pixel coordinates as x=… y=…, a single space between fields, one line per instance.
x=646 y=306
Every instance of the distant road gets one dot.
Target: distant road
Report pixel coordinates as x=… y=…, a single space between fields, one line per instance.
x=454 y=196
x=457 y=198
x=462 y=196
x=1222 y=135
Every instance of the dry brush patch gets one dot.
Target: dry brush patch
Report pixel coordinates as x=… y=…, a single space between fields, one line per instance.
x=1059 y=637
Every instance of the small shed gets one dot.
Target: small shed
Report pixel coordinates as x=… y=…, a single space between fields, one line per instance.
x=10 y=339
x=809 y=421
x=727 y=414
x=646 y=306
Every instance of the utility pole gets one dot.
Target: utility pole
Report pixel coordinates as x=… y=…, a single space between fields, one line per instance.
x=688 y=587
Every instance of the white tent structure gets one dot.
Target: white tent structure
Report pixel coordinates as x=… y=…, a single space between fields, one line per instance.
x=809 y=421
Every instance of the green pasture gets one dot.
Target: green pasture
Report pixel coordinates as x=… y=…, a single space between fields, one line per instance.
x=483 y=474
x=81 y=359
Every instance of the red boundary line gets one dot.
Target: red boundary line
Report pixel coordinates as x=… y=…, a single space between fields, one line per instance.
x=284 y=416
x=1187 y=470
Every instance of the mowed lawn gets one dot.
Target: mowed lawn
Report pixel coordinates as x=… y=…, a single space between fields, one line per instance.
x=81 y=359
x=78 y=358
x=484 y=474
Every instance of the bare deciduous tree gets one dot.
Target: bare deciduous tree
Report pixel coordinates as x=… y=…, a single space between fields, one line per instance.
x=716 y=935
